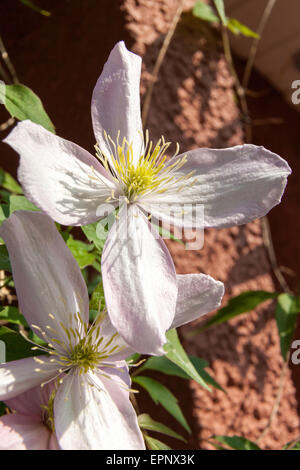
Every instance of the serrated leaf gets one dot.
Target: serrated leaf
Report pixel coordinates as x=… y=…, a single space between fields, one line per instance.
x=177 y=354
x=20 y=203
x=16 y=346
x=205 y=12
x=162 y=395
x=155 y=444
x=238 y=28
x=9 y=183
x=219 y=4
x=12 y=315
x=237 y=442
x=34 y=7
x=286 y=312
x=22 y=103
x=146 y=422
x=80 y=251
x=238 y=305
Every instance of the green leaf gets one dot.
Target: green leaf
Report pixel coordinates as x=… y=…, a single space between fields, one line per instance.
x=16 y=346
x=80 y=251
x=33 y=7
x=9 y=183
x=97 y=301
x=155 y=444
x=12 y=315
x=2 y=408
x=146 y=422
x=22 y=103
x=286 y=312
x=237 y=442
x=20 y=203
x=97 y=265
x=4 y=195
x=36 y=339
x=161 y=395
x=133 y=358
x=200 y=365
x=4 y=259
x=93 y=315
x=219 y=4
x=205 y=12
x=164 y=365
x=4 y=213
x=93 y=283
x=164 y=233
x=295 y=446
x=90 y=232
x=238 y=28
x=177 y=354
x=243 y=303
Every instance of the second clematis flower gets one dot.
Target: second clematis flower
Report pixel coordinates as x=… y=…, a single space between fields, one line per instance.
x=31 y=425
x=91 y=405
x=234 y=185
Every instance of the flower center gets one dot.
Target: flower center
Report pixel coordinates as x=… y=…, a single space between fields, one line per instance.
x=84 y=347
x=151 y=173
x=85 y=355
x=137 y=180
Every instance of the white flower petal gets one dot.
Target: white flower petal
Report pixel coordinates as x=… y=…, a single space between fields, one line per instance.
x=87 y=418
x=139 y=282
x=198 y=294
x=47 y=278
x=235 y=185
x=60 y=177
x=17 y=377
x=30 y=403
x=18 y=432
x=117 y=372
x=116 y=100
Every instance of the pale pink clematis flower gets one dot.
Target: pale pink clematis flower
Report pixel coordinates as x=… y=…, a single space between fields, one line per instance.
x=235 y=186
x=91 y=407
x=31 y=426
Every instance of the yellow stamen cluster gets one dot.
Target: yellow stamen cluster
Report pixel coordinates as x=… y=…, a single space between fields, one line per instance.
x=85 y=348
x=149 y=174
